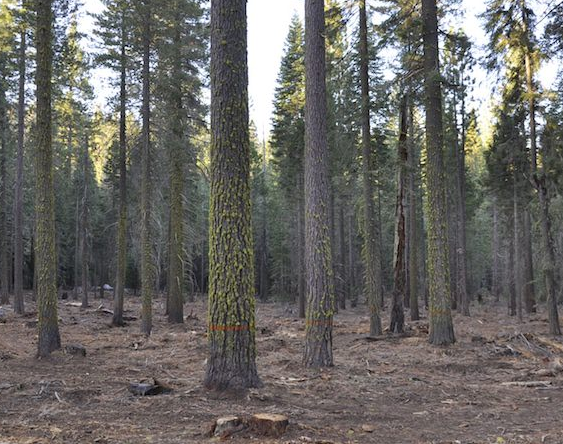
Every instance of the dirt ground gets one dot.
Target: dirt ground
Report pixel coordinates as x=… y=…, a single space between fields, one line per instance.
x=502 y=382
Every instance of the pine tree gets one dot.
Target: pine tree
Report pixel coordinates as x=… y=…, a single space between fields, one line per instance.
x=371 y=249
x=48 y=328
x=116 y=40
x=441 y=325
x=318 y=260
x=231 y=320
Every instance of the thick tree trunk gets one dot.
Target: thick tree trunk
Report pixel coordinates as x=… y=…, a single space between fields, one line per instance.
x=147 y=263
x=18 y=204
x=399 y=272
x=231 y=330
x=352 y=291
x=46 y=269
x=371 y=247
x=121 y=262
x=441 y=325
x=318 y=254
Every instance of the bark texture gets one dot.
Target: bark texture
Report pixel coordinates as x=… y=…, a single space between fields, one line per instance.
x=371 y=246
x=318 y=259
x=121 y=262
x=45 y=254
x=18 y=197
x=231 y=319
x=147 y=263
x=441 y=325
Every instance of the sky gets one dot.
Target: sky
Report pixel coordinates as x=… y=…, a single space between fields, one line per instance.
x=268 y=25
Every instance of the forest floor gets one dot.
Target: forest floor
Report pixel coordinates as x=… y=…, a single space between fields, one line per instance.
x=502 y=382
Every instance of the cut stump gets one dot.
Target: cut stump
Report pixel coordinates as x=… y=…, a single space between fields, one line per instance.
x=268 y=424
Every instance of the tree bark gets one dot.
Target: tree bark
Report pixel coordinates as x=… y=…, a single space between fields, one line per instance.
x=496 y=284
x=84 y=227
x=441 y=325
x=412 y=228
x=147 y=263
x=540 y=180
x=528 y=287
x=176 y=239
x=4 y=248
x=121 y=262
x=19 y=307
x=371 y=246
x=399 y=272
x=318 y=254
x=48 y=328
x=231 y=322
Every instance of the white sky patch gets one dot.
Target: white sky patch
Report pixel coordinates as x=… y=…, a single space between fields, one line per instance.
x=268 y=26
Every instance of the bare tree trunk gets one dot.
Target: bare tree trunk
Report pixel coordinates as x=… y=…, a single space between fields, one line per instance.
x=399 y=275
x=496 y=284
x=4 y=232
x=529 y=299
x=18 y=205
x=147 y=262
x=541 y=188
x=342 y=257
x=371 y=247
x=300 y=247
x=84 y=226
x=46 y=269
x=412 y=228
x=441 y=324
x=121 y=262
x=231 y=322
x=516 y=295
x=318 y=254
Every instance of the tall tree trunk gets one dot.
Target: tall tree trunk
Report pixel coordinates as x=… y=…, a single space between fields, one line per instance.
x=147 y=263
x=18 y=205
x=371 y=247
x=412 y=228
x=342 y=257
x=4 y=256
x=516 y=295
x=540 y=180
x=352 y=291
x=176 y=239
x=441 y=324
x=300 y=246
x=461 y=262
x=318 y=259
x=232 y=343
x=46 y=268
x=84 y=227
x=399 y=274
x=121 y=262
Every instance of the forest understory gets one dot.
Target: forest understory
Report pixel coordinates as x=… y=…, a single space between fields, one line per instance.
x=502 y=382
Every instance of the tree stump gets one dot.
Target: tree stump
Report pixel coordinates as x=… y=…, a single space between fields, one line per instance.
x=268 y=424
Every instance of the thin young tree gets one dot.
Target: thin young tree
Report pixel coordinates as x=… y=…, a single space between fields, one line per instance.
x=318 y=260
x=441 y=324
x=231 y=320
x=371 y=247
x=18 y=191
x=45 y=254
